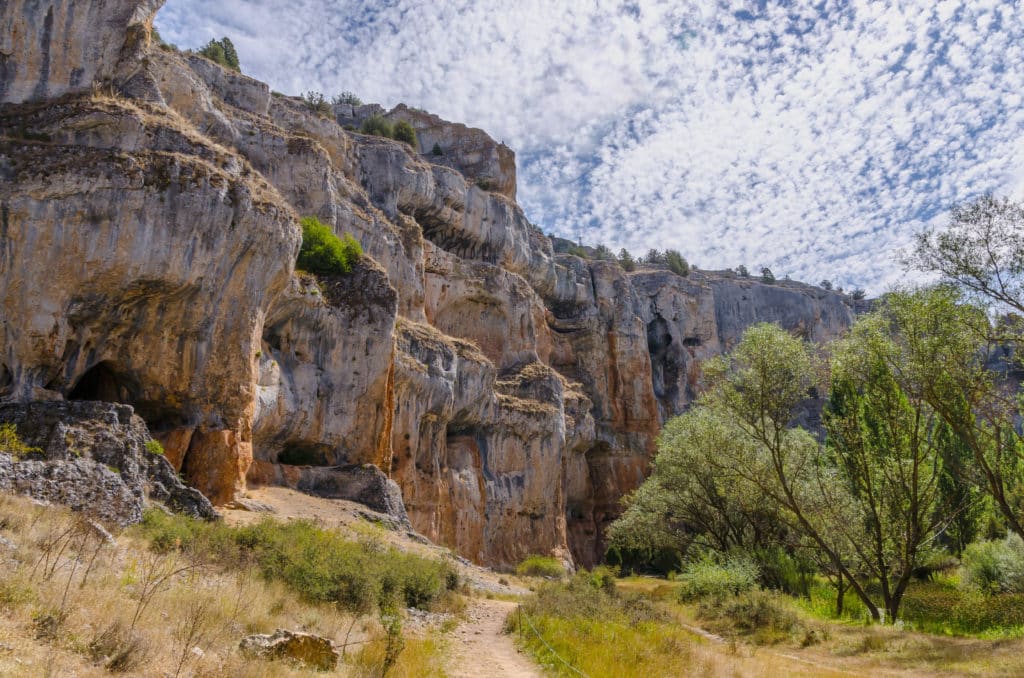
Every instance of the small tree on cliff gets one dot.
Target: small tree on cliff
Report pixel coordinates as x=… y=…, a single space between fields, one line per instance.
x=626 y=260
x=222 y=52
x=323 y=252
x=676 y=263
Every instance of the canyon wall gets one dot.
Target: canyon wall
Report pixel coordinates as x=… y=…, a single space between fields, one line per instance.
x=149 y=211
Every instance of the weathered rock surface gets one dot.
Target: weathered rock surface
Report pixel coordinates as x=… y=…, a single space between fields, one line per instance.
x=93 y=458
x=305 y=648
x=147 y=257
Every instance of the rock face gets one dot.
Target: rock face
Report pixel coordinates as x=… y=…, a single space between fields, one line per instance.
x=93 y=458
x=148 y=234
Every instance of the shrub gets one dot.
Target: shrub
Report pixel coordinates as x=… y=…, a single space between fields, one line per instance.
x=540 y=566
x=317 y=103
x=436 y=150
x=12 y=444
x=676 y=263
x=325 y=253
x=709 y=579
x=995 y=566
x=655 y=257
x=759 y=612
x=858 y=294
x=767 y=275
x=626 y=260
x=826 y=284
x=347 y=98
x=377 y=126
x=603 y=253
x=404 y=132
x=154 y=447
x=222 y=52
x=578 y=251
x=742 y=271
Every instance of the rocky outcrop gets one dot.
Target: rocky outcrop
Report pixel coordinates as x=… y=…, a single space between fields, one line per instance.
x=52 y=47
x=307 y=649
x=93 y=458
x=149 y=234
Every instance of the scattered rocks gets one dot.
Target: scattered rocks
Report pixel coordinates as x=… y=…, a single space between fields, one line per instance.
x=305 y=648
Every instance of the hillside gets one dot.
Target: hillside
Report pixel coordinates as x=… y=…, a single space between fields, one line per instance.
x=151 y=203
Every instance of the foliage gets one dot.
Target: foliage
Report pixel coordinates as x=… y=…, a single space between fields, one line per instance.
x=377 y=126
x=578 y=251
x=709 y=579
x=346 y=98
x=825 y=284
x=742 y=271
x=858 y=294
x=540 y=566
x=318 y=564
x=752 y=612
x=222 y=52
x=767 y=275
x=154 y=447
x=436 y=150
x=12 y=444
x=982 y=250
x=603 y=253
x=317 y=103
x=404 y=132
x=654 y=256
x=626 y=261
x=323 y=252
x=676 y=263
x=995 y=566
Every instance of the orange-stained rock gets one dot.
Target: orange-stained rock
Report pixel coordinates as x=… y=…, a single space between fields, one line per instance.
x=217 y=463
x=175 y=443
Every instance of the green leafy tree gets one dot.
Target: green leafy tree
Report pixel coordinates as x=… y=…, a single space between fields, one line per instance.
x=981 y=251
x=742 y=271
x=676 y=263
x=377 y=126
x=767 y=275
x=222 y=52
x=626 y=260
x=436 y=150
x=347 y=98
x=323 y=252
x=603 y=253
x=403 y=131
x=230 y=54
x=655 y=257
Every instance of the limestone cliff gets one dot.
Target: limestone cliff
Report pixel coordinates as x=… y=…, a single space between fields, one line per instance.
x=148 y=234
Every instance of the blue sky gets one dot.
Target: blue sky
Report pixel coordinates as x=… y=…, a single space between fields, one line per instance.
x=812 y=137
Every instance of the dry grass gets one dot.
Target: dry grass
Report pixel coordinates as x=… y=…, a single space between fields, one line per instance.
x=77 y=605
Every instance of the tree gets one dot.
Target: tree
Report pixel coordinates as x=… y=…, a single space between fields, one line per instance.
x=222 y=52
x=981 y=251
x=626 y=260
x=858 y=294
x=603 y=253
x=403 y=131
x=884 y=438
x=676 y=263
x=436 y=150
x=325 y=253
x=347 y=98
x=742 y=271
x=767 y=275
x=317 y=103
x=655 y=257
x=826 y=284
x=377 y=126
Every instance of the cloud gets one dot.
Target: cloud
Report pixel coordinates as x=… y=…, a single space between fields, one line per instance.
x=814 y=138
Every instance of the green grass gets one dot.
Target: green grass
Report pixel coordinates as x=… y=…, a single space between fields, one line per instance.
x=318 y=564
x=540 y=566
x=599 y=631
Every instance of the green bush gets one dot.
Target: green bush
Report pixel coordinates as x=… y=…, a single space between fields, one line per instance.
x=12 y=444
x=767 y=275
x=742 y=271
x=325 y=253
x=540 y=566
x=626 y=261
x=377 y=126
x=707 y=578
x=403 y=131
x=752 y=611
x=317 y=103
x=436 y=150
x=578 y=251
x=319 y=564
x=222 y=52
x=347 y=98
x=676 y=263
x=154 y=447
x=995 y=566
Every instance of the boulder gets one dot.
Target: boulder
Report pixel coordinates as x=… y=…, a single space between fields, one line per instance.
x=304 y=648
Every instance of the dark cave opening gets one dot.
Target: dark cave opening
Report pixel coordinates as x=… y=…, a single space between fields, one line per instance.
x=101 y=382
x=666 y=365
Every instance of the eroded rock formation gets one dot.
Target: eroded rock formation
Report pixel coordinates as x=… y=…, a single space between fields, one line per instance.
x=147 y=247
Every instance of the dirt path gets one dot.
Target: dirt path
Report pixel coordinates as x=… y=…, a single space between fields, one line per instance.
x=479 y=648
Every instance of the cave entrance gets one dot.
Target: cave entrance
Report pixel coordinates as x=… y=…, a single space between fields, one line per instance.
x=101 y=382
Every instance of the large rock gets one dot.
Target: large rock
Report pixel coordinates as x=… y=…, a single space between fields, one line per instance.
x=92 y=457
x=304 y=648
x=53 y=47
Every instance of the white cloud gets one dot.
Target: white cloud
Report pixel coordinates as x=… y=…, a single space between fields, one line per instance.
x=815 y=142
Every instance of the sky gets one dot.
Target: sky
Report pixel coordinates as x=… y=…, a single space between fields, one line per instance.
x=812 y=138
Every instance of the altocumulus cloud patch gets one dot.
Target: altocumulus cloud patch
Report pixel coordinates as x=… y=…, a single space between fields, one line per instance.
x=814 y=138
